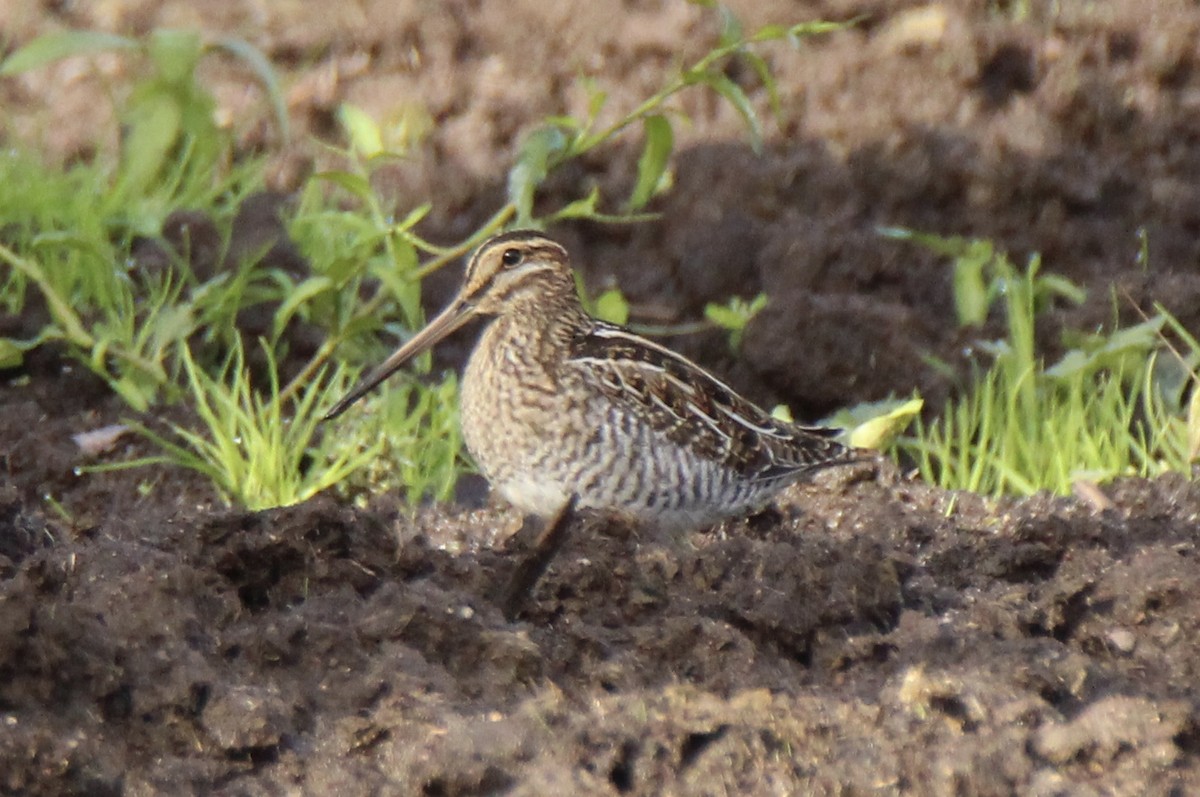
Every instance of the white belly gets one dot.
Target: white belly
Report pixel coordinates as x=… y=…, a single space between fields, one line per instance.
x=531 y=494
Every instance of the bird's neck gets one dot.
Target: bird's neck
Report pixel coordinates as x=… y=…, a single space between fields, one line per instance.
x=540 y=327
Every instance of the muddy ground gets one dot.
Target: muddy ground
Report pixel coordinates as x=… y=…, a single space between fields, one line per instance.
x=869 y=635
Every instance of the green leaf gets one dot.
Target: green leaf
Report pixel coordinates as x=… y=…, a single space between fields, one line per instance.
x=565 y=122
x=1193 y=426
x=597 y=98
x=581 y=208
x=946 y=245
x=414 y=216
x=879 y=429
x=531 y=168
x=342 y=269
x=356 y=184
x=361 y=324
x=156 y=119
x=133 y=391
x=979 y=274
x=759 y=65
x=176 y=53
x=1109 y=351
x=652 y=165
x=11 y=353
x=735 y=315
x=805 y=29
x=57 y=46
x=1057 y=285
x=585 y=208
x=612 y=306
x=734 y=95
x=172 y=324
x=260 y=65
x=301 y=294
x=731 y=27
x=364 y=133
x=971 y=295
x=399 y=272
x=769 y=33
x=403 y=289
x=724 y=316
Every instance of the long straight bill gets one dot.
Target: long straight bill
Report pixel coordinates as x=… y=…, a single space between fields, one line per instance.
x=446 y=322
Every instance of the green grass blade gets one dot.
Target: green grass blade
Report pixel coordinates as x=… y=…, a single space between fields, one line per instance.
x=57 y=46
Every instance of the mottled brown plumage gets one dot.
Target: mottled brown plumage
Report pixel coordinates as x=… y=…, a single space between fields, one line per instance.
x=558 y=405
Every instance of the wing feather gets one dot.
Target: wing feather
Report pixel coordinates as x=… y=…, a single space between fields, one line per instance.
x=697 y=411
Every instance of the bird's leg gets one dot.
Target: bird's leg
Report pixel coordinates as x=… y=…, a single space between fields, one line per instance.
x=533 y=566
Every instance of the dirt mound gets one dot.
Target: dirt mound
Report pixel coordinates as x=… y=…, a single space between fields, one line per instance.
x=871 y=631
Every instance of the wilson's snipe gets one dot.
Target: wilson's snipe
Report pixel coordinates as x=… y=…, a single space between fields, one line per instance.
x=561 y=409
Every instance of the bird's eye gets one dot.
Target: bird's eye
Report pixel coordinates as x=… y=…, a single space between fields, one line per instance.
x=511 y=257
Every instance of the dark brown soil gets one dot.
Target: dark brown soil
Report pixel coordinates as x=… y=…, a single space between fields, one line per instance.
x=868 y=635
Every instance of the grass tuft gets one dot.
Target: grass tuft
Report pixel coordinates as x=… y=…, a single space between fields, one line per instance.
x=1104 y=410
x=259 y=451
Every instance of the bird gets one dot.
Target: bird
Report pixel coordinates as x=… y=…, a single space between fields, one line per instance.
x=564 y=412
